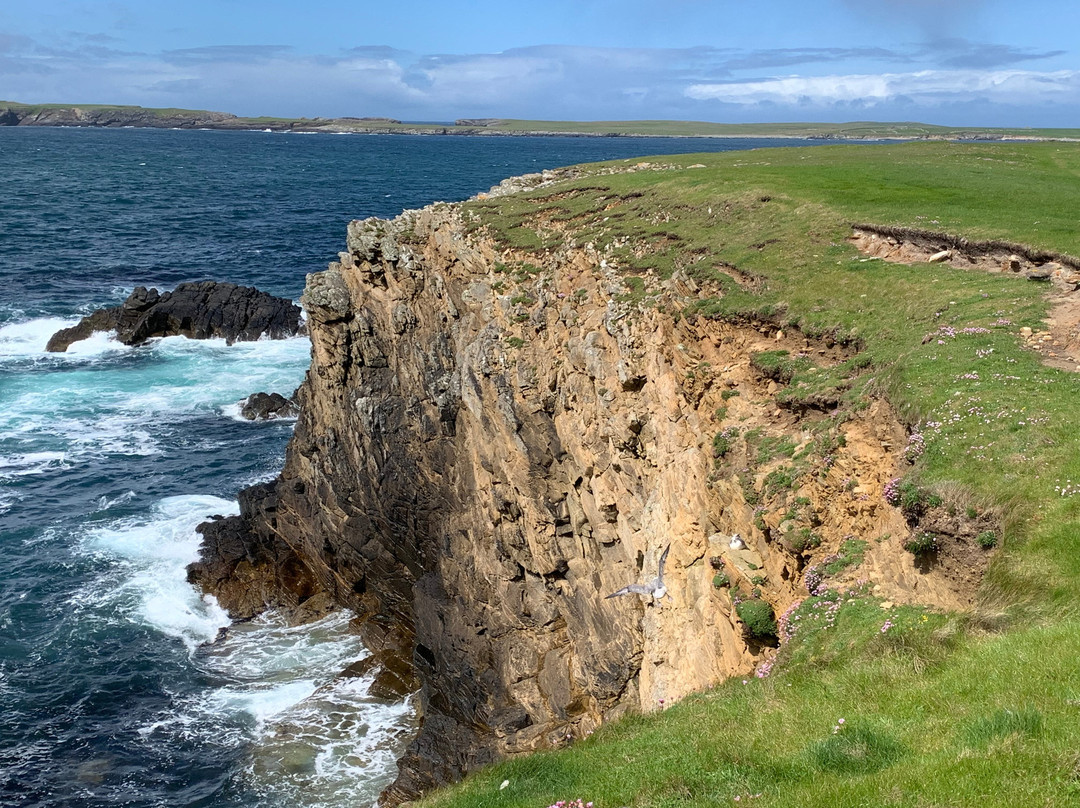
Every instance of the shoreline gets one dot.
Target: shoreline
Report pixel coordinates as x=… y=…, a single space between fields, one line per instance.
x=13 y=114
x=454 y=132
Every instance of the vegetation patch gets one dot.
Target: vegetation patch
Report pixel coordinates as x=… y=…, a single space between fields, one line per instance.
x=854 y=748
x=758 y=617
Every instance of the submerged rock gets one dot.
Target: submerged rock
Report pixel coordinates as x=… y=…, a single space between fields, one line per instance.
x=196 y=310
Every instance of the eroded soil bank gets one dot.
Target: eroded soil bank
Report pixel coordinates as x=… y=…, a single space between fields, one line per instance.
x=1059 y=342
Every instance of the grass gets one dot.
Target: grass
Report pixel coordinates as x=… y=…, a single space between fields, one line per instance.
x=937 y=711
x=993 y=725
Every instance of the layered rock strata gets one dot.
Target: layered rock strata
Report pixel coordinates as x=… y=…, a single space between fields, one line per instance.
x=476 y=467
x=197 y=310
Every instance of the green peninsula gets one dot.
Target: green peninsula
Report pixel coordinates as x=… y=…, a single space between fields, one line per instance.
x=114 y=116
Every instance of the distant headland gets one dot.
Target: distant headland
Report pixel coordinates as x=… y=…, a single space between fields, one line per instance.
x=115 y=116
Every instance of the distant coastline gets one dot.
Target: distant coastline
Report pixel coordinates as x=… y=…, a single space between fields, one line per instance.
x=116 y=117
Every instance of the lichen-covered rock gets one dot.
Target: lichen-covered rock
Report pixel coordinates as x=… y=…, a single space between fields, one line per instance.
x=195 y=310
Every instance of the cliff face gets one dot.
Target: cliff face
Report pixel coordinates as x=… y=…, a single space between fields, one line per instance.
x=476 y=467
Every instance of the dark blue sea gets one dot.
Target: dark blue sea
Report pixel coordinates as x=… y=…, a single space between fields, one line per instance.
x=112 y=689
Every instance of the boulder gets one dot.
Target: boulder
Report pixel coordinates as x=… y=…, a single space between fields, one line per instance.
x=196 y=310
x=267 y=406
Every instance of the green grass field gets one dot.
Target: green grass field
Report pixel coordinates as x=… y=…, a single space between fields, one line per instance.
x=978 y=709
x=855 y=129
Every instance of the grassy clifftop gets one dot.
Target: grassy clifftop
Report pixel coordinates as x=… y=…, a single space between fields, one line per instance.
x=868 y=703
x=856 y=130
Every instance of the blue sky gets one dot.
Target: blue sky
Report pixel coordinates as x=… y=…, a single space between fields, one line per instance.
x=956 y=62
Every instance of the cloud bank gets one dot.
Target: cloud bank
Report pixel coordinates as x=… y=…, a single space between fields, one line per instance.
x=986 y=83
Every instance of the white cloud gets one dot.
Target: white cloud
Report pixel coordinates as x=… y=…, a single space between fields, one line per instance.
x=924 y=87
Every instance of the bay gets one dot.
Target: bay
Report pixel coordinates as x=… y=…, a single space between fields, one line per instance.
x=117 y=683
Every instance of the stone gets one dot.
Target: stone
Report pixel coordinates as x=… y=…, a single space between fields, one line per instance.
x=939 y=257
x=1040 y=273
x=394 y=674
x=268 y=406
x=195 y=310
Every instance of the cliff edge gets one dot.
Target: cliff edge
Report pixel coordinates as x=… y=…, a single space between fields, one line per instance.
x=491 y=441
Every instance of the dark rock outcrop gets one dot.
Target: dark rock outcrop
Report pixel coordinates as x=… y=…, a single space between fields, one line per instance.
x=195 y=310
x=268 y=406
x=249 y=567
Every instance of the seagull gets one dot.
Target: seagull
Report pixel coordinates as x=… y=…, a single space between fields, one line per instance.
x=736 y=542
x=655 y=587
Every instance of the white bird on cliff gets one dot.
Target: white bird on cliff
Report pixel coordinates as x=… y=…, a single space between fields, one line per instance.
x=655 y=587
x=736 y=542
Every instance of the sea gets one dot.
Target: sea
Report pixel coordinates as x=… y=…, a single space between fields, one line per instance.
x=117 y=685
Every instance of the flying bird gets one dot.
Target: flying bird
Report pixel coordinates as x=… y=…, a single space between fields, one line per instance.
x=655 y=587
x=736 y=542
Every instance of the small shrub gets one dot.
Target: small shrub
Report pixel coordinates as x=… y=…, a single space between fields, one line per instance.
x=987 y=539
x=515 y=342
x=780 y=479
x=805 y=539
x=723 y=441
x=729 y=394
x=758 y=617
x=720 y=580
x=750 y=494
x=914 y=501
x=921 y=544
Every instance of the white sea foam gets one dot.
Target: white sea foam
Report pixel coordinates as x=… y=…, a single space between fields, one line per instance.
x=149 y=584
x=115 y=400
x=316 y=738
x=29 y=337
x=30 y=463
x=104 y=503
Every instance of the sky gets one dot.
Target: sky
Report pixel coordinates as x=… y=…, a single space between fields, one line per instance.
x=950 y=62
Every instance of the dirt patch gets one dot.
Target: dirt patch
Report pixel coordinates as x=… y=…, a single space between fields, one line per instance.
x=1059 y=343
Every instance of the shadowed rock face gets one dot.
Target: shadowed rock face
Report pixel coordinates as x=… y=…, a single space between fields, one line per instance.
x=195 y=310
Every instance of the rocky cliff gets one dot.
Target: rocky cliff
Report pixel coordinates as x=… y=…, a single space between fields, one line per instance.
x=491 y=442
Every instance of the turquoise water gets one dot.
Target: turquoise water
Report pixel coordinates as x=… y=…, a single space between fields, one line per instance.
x=117 y=686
